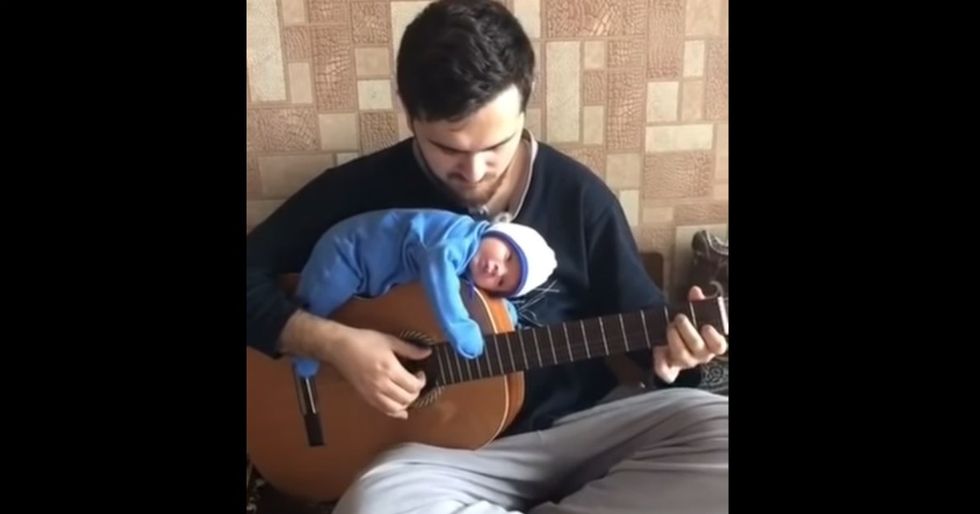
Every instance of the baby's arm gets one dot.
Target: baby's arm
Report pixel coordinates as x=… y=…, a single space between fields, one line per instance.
x=441 y=283
x=327 y=282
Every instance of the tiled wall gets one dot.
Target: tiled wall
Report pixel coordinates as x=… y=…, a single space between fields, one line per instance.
x=636 y=89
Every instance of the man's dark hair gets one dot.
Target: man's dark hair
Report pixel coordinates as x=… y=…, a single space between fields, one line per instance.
x=457 y=55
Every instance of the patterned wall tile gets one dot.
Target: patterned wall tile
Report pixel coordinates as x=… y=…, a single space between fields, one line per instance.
x=666 y=39
x=636 y=90
x=716 y=81
x=625 y=110
x=333 y=68
x=296 y=45
x=677 y=175
x=578 y=18
x=594 y=87
x=378 y=130
x=372 y=21
x=627 y=53
x=281 y=130
x=331 y=12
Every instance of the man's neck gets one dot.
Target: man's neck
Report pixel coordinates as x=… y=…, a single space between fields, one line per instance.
x=506 y=197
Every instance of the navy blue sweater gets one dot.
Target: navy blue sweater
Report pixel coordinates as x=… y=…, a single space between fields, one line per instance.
x=599 y=269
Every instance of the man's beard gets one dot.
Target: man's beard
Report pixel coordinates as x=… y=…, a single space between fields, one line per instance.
x=477 y=196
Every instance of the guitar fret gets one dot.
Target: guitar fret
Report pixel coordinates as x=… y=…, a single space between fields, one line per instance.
x=622 y=326
x=694 y=318
x=568 y=342
x=536 y=348
x=469 y=367
x=551 y=342
x=441 y=370
x=604 y=343
x=526 y=364
x=513 y=365
x=459 y=367
x=499 y=361
x=585 y=339
x=645 y=333
x=476 y=362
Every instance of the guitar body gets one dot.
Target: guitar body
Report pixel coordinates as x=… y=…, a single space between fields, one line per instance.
x=464 y=415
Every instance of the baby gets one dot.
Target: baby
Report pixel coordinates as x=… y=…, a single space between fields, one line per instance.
x=368 y=254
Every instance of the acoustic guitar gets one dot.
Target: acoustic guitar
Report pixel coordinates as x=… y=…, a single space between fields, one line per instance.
x=465 y=404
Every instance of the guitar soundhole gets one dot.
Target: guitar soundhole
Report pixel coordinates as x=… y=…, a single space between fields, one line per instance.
x=429 y=393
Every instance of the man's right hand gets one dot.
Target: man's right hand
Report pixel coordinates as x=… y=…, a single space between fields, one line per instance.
x=368 y=359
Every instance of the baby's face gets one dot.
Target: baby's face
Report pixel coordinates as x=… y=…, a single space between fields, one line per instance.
x=495 y=268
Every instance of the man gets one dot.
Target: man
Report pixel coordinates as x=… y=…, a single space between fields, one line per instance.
x=465 y=72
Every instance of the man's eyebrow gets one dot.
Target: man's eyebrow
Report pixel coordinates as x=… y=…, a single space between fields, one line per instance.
x=491 y=147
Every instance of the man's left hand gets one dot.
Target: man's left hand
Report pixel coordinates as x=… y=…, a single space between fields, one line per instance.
x=685 y=347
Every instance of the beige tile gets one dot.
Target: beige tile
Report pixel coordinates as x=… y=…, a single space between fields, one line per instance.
x=665 y=48
x=721 y=153
x=628 y=53
x=692 y=100
x=263 y=53
x=402 y=13
x=300 y=83
x=693 y=58
x=709 y=211
x=563 y=99
x=595 y=55
x=284 y=175
x=339 y=131
x=372 y=21
x=296 y=44
x=253 y=180
x=372 y=62
x=703 y=18
x=630 y=200
x=403 y=130
x=256 y=211
x=345 y=157
x=528 y=12
x=658 y=215
x=624 y=170
x=593 y=125
x=678 y=138
x=293 y=12
x=720 y=192
x=662 y=101
x=593 y=157
x=537 y=88
x=533 y=122
x=374 y=95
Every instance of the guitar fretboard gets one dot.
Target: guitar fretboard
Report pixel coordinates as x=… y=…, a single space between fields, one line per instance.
x=563 y=343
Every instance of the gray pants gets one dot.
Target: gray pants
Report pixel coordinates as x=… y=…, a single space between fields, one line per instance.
x=660 y=452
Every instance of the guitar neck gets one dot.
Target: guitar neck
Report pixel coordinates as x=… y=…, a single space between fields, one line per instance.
x=572 y=341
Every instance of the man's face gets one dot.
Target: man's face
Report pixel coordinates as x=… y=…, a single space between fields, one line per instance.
x=471 y=156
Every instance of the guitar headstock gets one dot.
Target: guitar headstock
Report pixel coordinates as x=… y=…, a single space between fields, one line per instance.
x=710 y=311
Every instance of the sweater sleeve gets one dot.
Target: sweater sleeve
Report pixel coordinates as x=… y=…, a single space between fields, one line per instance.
x=442 y=285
